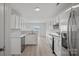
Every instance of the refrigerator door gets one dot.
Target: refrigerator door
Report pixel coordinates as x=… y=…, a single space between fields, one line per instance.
x=77 y=31
x=72 y=33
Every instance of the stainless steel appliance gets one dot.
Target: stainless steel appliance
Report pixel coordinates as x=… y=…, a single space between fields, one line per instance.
x=73 y=32
x=70 y=36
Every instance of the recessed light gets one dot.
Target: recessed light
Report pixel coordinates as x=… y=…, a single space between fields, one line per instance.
x=37 y=9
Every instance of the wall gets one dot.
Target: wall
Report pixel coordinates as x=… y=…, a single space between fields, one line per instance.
x=1 y=27
x=7 y=30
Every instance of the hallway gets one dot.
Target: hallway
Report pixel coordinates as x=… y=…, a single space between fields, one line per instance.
x=42 y=49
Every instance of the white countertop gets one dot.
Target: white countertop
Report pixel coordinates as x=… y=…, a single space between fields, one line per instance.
x=22 y=35
x=50 y=34
x=53 y=33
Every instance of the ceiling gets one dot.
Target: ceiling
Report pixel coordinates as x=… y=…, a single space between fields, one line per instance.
x=47 y=10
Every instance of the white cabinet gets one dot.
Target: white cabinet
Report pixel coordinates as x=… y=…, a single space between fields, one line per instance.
x=57 y=45
x=12 y=31
x=15 y=42
x=31 y=39
x=64 y=21
x=15 y=21
x=15 y=35
x=21 y=23
x=12 y=21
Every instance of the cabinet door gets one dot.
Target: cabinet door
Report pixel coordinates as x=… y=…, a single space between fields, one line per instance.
x=12 y=22
x=15 y=46
x=31 y=39
x=57 y=46
x=20 y=22
x=17 y=21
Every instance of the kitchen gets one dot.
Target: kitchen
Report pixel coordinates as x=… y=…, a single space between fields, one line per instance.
x=39 y=29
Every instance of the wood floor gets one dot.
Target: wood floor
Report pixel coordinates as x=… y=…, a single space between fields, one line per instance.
x=41 y=49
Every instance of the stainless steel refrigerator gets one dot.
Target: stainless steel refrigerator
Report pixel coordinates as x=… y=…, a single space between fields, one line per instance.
x=73 y=32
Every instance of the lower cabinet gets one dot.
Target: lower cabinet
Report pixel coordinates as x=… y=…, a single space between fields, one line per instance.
x=15 y=42
x=57 y=45
x=31 y=39
x=15 y=46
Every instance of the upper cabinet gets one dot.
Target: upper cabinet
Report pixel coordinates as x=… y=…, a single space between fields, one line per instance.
x=12 y=21
x=64 y=21
x=55 y=24
x=59 y=23
x=15 y=21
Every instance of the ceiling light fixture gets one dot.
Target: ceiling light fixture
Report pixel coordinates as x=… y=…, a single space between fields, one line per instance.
x=37 y=9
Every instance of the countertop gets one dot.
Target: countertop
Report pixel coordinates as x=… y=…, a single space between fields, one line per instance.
x=50 y=34
x=22 y=35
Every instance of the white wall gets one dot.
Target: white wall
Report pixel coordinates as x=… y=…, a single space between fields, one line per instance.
x=1 y=27
x=7 y=31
